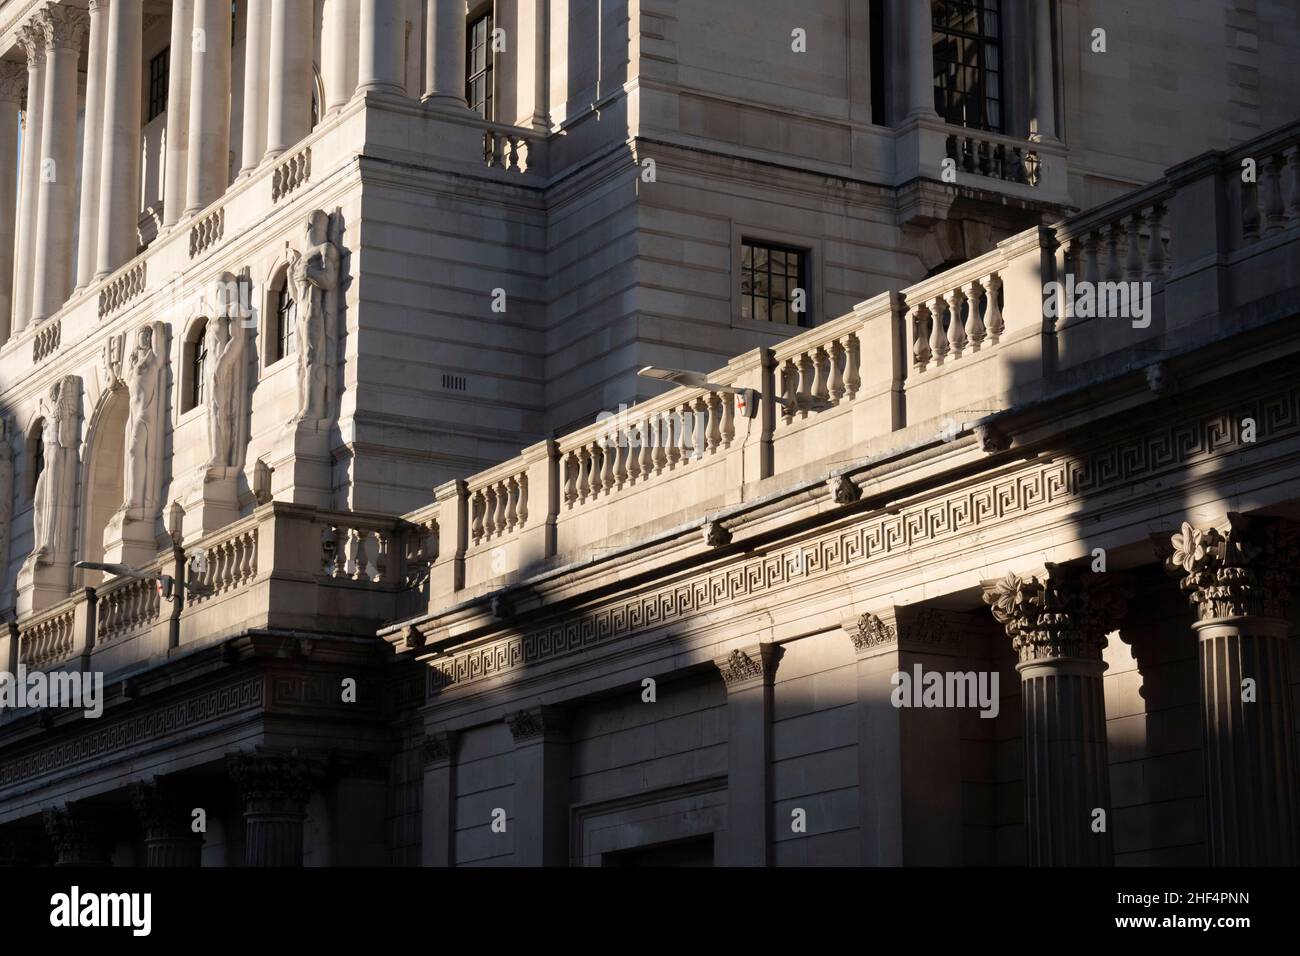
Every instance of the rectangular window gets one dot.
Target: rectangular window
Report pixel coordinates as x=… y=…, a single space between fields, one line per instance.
x=968 y=63
x=478 y=66
x=158 y=68
x=768 y=279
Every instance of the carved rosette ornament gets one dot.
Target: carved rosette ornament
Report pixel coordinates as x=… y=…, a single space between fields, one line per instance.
x=1067 y=615
x=1249 y=571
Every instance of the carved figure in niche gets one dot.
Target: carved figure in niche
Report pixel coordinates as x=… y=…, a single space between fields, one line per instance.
x=313 y=277
x=143 y=436
x=59 y=438
x=225 y=341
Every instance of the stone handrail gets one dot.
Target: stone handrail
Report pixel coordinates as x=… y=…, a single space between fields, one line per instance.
x=127 y=607
x=933 y=358
x=51 y=638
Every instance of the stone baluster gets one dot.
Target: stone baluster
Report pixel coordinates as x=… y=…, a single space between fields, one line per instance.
x=957 y=324
x=938 y=335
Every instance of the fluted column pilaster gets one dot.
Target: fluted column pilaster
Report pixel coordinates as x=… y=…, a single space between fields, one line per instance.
x=33 y=45
x=1239 y=583
x=178 y=112
x=13 y=80
x=1058 y=627
x=208 y=167
x=1044 y=73
x=63 y=28
x=275 y=788
x=749 y=674
x=119 y=173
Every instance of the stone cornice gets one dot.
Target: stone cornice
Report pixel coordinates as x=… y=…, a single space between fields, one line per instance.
x=1066 y=614
x=1249 y=570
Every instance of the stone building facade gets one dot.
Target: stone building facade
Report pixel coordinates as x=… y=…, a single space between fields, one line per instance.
x=324 y=444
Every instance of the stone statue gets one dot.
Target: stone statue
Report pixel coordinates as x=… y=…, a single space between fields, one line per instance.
x=225 y=340
x=59 y=438
x=144 y=381
x=313 y=277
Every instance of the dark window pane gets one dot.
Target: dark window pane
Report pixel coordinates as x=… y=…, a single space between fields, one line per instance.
x=768 y=279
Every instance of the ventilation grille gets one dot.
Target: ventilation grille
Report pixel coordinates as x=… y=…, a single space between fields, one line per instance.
x=454 y=383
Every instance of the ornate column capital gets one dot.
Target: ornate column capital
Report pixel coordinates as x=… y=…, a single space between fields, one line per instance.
x=63 y=27
x=13 y=82
x=272 y=782
x=439 y=747
x=1249 y=570
x=98 y=6
x=751 y=665
x=31 y=37
x=1064 y=615
x=537 y=723
x=78 y=834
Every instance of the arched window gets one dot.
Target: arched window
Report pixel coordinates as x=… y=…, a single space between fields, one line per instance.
x=196 y=358
x=35 y=455
x=286 y=323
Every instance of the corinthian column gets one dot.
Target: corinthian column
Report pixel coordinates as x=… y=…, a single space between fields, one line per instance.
x=289 y=100
x=382 y=52
x=256 y=37
x=33 y=45
x=209 y=143
x=119 y=171
x=1058 y=627
x=92 y=143
x=63 y=28
x=444 y=72
x=178 y=112
x=1239 y=583
x=275 y=788
x=13 y=76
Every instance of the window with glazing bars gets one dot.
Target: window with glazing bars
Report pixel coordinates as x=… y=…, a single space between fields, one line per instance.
x=478 y=66
x=158 y=67
x=967 y=36
x=198 y=363
x=286 y=319
x=769 y=276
